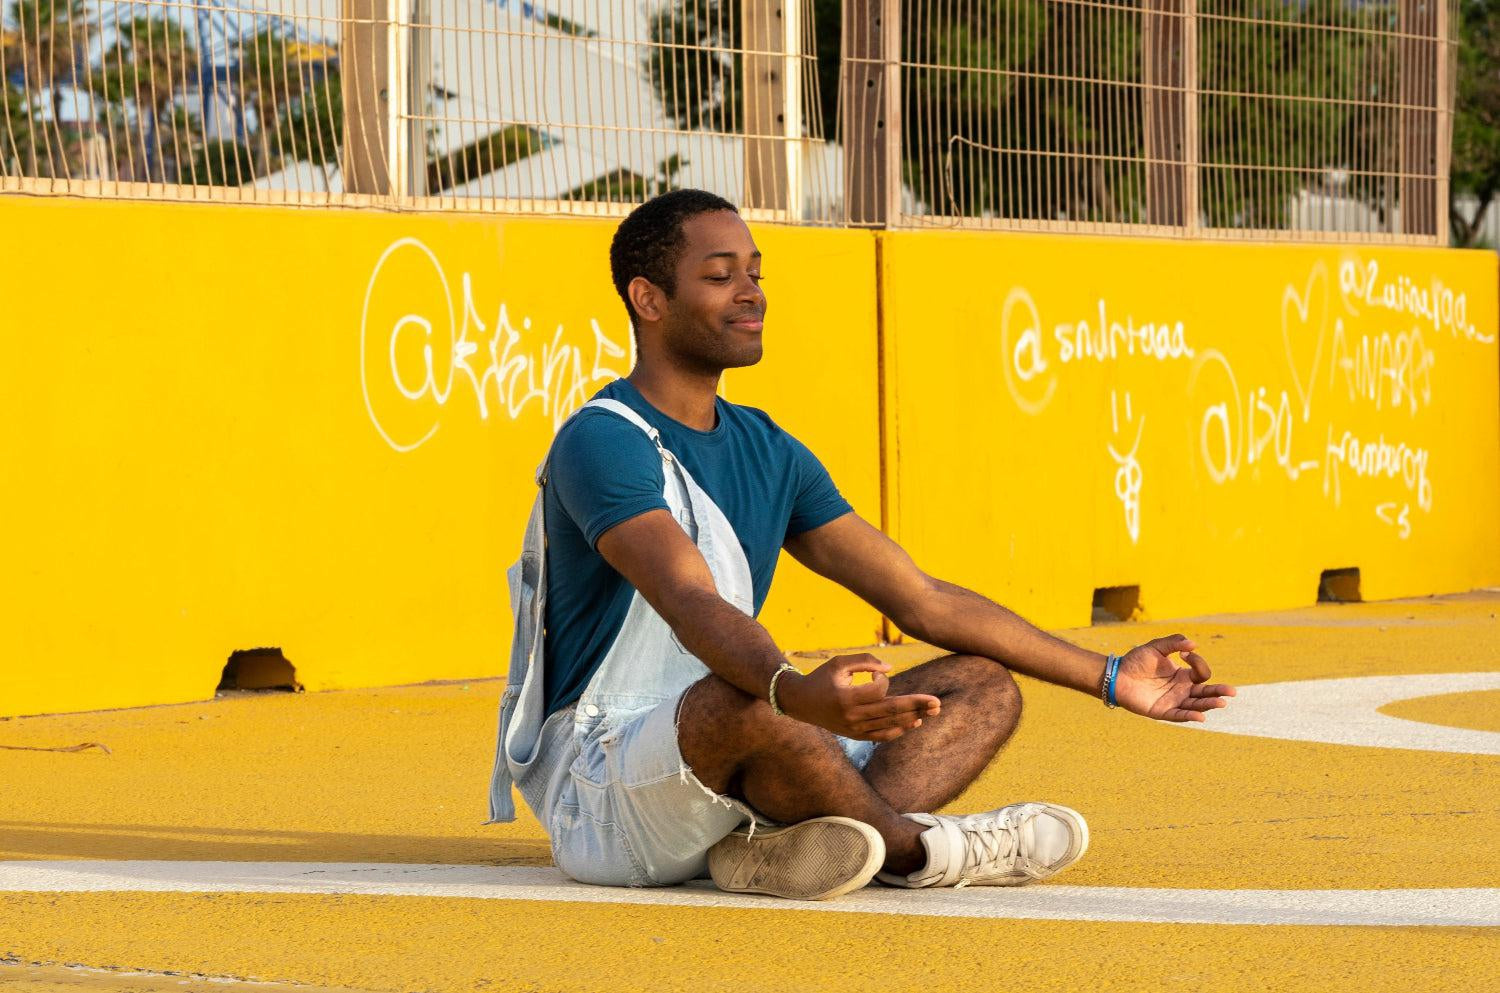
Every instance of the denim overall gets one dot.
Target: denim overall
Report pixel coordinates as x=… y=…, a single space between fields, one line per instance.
x=605 y=777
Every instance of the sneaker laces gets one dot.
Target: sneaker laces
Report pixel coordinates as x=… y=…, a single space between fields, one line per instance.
x=990 y=846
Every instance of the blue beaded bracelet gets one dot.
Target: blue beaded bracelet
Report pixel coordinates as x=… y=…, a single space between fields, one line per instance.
x=1107 y=688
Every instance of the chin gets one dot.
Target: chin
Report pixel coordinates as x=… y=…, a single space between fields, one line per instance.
x=746 y=357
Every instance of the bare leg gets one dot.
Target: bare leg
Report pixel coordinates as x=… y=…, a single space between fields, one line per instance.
x=786 y=769
x=928 y=767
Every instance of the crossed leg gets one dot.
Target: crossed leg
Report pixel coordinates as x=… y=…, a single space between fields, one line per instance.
x=791 y=771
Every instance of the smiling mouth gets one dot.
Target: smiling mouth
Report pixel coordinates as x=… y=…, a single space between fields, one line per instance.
x=748 y=322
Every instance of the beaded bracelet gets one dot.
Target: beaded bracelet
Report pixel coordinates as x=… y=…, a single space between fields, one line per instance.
x=785 y=667
x=1107 y=687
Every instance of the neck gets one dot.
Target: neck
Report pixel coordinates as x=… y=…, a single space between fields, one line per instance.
x=684 y=395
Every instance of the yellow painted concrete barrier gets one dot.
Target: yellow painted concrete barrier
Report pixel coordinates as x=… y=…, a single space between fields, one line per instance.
x=237 y=428
x=1216 y=424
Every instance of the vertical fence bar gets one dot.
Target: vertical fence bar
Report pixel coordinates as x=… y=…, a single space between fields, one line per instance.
x=398 y=96
x=1165 y=99
x=1192 y=183
x=871 y=125
x=1417 y=25
x=763 y=36
x=1444 y=136
x=791 y=103
x=364 y=63
x=863 y=121
x=418 y=96
x=890 y=41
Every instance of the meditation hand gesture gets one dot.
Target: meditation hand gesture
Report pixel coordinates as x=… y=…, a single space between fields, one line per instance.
x=829 y=698
x=1152 y=685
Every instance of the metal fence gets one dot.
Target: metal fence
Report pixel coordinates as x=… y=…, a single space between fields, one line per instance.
x=1208 y=118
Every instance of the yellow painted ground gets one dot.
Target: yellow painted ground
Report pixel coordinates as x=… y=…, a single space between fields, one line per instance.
x=1476 y=711
x=399 y=775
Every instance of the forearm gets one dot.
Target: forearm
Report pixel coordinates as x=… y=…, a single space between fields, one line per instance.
x=964 y=622
x=734 y=646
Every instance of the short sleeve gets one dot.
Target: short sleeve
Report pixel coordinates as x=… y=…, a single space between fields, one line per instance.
x=816 y=500
x=604 y=471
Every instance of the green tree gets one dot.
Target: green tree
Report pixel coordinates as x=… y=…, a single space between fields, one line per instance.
x=312 y=129
x=217 y=163
x=692 y=64
x=1029 y=109
x=143 y=76
x=48 y=42
x=1476 y=122
x=268 y=79
x=20 y=133
x=1317 y=74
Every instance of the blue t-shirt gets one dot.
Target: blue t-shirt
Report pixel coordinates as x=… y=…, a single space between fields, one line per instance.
x=603 y=470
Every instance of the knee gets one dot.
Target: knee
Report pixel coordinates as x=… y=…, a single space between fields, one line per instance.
x=722 y=701
x=715 y=710
x=987 y=683
x=742 y=723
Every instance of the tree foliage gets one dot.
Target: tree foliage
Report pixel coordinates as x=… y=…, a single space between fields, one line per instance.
x=1029 y=109
x=1476 y=123
x=276 y=102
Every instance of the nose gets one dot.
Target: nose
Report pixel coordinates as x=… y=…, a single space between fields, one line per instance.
x=748 y=291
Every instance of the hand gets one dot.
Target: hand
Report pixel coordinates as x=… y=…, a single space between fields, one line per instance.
x=829 y=698
x=1151 y=684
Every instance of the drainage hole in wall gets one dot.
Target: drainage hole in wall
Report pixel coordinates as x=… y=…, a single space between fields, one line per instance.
x=1113 y=604
x=259 y=670
x=1339 y=586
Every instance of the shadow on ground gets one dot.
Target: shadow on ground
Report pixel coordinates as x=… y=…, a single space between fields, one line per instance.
x=36 y=840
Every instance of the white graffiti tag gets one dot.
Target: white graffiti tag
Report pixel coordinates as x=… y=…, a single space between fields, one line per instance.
x=1434 y=304
x=517 y=368
x=1099 y=337
x=1259 y=429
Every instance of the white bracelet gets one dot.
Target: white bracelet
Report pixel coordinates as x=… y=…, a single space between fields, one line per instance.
x=785 y=667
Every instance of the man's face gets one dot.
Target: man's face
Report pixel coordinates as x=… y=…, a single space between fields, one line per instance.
x=713 y=321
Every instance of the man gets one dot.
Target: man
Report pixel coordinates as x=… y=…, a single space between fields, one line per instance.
x=652 y=724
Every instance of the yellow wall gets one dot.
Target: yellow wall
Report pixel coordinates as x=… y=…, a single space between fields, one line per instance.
x=206 y=450
x=1222 y=467
x=202 y=431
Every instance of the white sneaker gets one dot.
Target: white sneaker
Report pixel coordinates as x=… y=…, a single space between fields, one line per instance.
x=816 y=859
x=1005 y=847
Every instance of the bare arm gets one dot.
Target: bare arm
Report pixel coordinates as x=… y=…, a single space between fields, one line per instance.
x=861 y=558
x=660 y=561
x=858 y=556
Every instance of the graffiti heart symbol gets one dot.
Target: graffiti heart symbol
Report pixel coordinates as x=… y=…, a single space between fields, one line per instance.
x=1315 y=293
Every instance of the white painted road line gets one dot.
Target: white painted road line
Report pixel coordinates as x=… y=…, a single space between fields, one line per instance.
x=1439 y=907
x=1347 y=712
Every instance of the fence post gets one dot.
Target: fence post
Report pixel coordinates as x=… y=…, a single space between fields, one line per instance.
x=1165 y=99
x=771 y=36
x=1192 y=183
x=379 y=76
x=870 y=104
x=1445 y=65
x=418 y=94
x=1419 y=63
x=363 y=68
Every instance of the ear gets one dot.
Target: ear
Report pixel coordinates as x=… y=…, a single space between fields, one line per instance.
x=647 y=298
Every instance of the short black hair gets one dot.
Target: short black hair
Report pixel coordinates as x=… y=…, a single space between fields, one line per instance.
x=650 y=241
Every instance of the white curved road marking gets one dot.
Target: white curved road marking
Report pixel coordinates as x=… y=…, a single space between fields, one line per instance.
x=1346 y=712
x=1442 y=907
